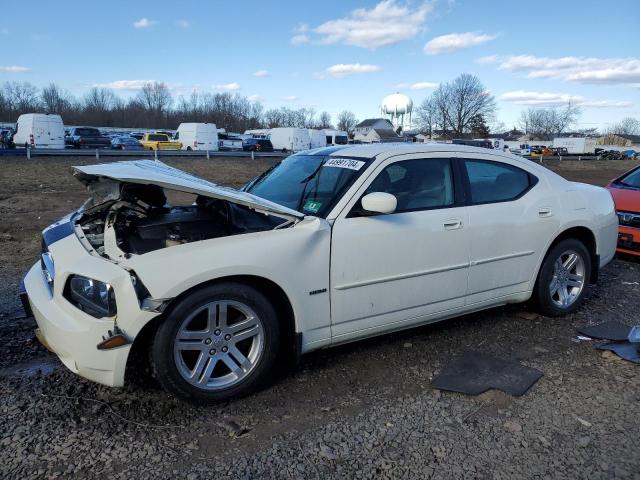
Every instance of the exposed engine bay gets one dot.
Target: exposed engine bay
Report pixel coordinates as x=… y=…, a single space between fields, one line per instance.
x=140 y=220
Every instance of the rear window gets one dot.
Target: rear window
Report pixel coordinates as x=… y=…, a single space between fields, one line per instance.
x=88 y=132
x=156 y=137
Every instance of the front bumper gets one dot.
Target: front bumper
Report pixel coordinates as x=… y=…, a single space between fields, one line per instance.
x=73 y=335
x=629 y=240
x=69 y=332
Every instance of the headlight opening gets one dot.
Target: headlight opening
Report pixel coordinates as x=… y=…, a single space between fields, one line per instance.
x=93 y=297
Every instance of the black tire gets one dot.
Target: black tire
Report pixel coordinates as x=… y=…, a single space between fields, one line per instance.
x=542 y=295
x=162 y=357
x=188 y=149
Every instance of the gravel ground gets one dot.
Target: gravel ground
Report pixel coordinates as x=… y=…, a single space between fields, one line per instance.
x=363 y=410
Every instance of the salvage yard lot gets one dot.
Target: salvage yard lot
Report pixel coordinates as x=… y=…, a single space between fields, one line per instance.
x=361 y=410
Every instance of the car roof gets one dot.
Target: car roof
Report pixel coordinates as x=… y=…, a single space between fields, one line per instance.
x=375 y=149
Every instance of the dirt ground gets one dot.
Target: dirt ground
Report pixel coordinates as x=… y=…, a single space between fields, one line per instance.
x=363 y=410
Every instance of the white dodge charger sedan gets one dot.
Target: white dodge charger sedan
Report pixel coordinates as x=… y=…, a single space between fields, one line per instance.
x=326 y=247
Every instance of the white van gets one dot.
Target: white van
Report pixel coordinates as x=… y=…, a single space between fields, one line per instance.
x=317 y=138
x=198 y=136
x=336 y=137
x=290 y=139
x=39 y=130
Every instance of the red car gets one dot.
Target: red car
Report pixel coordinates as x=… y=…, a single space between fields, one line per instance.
x=625 y=191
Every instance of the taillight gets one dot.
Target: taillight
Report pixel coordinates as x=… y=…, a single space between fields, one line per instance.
x=31 y=140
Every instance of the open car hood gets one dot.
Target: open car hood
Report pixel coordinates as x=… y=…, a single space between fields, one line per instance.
x=152 y=172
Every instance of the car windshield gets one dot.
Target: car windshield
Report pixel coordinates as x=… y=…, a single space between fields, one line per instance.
x=632 y=179
x=310 y=184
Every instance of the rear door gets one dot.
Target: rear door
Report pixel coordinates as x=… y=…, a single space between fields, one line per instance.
x=55 y=133
x=512 y=215
x=41 y=132
x=391 y=271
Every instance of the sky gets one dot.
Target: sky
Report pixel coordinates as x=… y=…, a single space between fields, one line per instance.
x=334 y=56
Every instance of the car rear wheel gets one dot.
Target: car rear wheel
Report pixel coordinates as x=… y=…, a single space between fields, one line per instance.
x=216 y=344
x=563 y=278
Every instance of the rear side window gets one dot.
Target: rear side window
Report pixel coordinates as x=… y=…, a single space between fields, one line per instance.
x=491 y=182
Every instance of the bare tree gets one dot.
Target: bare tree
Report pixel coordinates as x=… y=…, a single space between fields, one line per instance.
x=55 y=100
x=466 y=98
x=347 y=121
x=324 y=121
x=545 y=123
x=155 y=97
x=626 y=126
x=426 y=114
x=22 y=97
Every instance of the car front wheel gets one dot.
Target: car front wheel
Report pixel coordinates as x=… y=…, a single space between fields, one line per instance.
x=218 y=343
x=563 y=278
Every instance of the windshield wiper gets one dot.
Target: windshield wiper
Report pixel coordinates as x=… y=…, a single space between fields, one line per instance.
x=306 y=183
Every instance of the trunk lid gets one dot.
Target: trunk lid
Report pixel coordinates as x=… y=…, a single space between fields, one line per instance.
x=152 y=172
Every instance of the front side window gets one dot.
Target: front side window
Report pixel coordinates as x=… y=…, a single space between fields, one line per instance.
x=417 y=184
x=492 y=182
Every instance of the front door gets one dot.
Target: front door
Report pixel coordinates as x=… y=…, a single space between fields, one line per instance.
x=390 y=271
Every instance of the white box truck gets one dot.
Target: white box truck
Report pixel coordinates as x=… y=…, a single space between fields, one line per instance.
x=198 y=136
x=336 y=137
x=576 y=146
x=285 y=139
x=39 y=130
x=317 y=138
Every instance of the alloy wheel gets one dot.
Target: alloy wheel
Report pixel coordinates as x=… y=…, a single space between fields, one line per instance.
x=218 y=345
x=568 y=279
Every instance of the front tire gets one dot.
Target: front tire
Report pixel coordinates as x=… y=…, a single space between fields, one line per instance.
x=218 y=343
x=563 y=278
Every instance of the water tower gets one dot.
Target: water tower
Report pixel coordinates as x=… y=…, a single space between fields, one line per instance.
x=396 y=106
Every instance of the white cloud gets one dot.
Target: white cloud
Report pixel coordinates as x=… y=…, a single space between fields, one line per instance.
x=131 y=85
x=487 y=59
x=423 y=85
x=291 y=98
x=299 y=39
x=576 y=69
x=301 y=28
x=144 y=23
x=14 y=69
x=387 y=23
x=547 y=99
x=344 y=69
x=184 y=23
x=262 y=73
x=227 y=87
x=455 y=41
x=256 y=98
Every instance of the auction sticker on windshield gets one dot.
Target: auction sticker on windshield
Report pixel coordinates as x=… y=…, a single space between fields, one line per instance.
x=344 y=163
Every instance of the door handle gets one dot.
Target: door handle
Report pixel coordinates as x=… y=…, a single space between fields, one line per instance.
x=545 y=212
x=453 y=224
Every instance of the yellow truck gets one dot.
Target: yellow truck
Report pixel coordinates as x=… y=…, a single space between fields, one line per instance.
x=159 y=141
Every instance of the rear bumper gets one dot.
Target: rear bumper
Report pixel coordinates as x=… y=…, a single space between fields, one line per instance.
x=629 y=240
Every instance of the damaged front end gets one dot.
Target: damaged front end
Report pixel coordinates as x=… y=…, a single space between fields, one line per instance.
x=127 y=217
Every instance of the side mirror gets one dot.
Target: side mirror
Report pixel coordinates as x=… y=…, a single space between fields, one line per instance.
x=379 y=202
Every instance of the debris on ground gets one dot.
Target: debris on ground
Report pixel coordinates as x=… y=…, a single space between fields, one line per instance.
x=476 y=372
